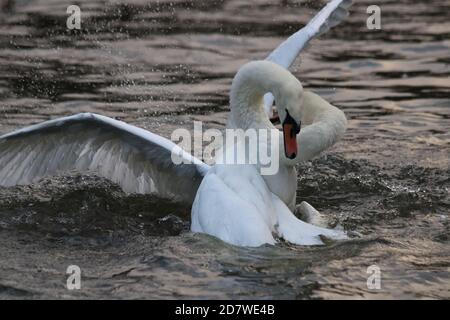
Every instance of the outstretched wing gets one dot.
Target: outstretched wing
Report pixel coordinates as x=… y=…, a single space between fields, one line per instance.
x=138 y=160
x=286 y=53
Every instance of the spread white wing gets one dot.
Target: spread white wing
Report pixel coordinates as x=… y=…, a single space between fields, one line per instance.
x=286 y=53
x=138 y=160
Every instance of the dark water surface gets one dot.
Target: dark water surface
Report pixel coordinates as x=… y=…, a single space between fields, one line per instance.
x=161 y=65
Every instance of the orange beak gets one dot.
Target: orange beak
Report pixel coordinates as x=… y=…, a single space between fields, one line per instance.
x=290 y=131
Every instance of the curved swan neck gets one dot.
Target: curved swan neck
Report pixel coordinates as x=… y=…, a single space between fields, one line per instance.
x=250 y=85
x=324 y=126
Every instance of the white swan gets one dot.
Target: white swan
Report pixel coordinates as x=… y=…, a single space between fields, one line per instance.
x=235 y=202
x=140 y=161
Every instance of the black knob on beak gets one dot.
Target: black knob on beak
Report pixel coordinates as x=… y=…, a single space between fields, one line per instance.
x=295 y=127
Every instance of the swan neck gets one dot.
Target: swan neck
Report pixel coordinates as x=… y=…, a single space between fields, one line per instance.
x=249 y=86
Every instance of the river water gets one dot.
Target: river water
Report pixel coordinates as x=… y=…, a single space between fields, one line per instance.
x=161 y=65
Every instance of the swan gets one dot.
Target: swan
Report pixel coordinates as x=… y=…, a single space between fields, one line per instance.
x=243 y=207
x=140 y=161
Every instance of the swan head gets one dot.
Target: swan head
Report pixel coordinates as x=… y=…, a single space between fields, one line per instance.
x=290 y=113
x=249 y=86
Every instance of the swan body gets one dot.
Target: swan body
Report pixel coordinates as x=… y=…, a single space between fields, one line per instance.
x=233 y=202
x=235 y=205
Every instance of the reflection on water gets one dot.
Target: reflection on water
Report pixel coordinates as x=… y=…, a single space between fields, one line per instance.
x=163 y=64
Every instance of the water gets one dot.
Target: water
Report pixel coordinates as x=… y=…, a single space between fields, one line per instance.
x=163 y=65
